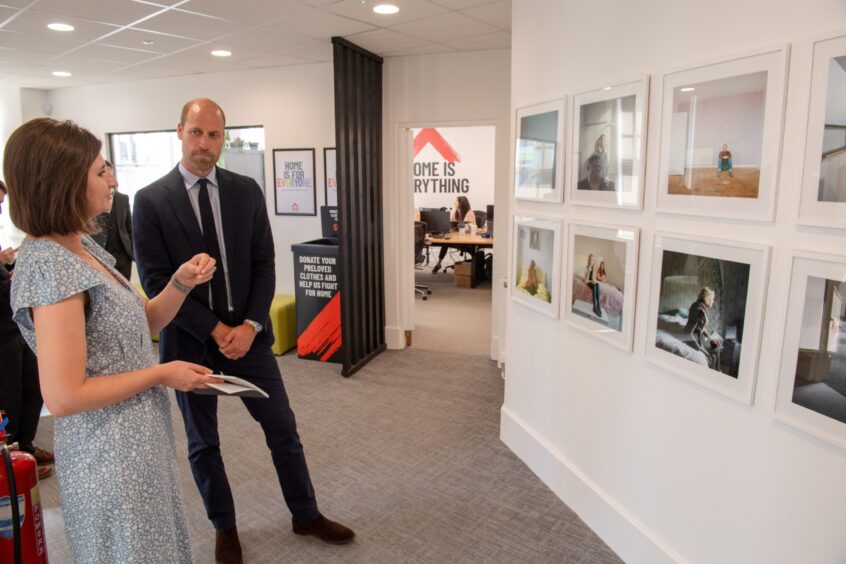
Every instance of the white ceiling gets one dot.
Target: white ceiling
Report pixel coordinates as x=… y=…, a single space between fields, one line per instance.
x=108 y=42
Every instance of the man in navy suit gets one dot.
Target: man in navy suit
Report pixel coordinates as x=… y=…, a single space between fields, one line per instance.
x=224 y=324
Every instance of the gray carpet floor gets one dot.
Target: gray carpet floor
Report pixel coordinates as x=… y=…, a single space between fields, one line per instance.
x=406 y=452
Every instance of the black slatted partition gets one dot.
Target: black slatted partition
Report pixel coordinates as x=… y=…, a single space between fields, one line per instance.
x=358 y=139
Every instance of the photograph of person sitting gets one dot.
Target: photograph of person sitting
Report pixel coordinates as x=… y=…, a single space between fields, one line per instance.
x=724 y=162
x=697 y=325
x=534 y=262
x=461 y=213
x=598 y=280
x=596 y=171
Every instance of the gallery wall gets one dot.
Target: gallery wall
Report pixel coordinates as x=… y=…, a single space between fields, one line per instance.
x=660 y=467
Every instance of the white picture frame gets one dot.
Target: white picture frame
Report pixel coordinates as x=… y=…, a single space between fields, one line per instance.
x=294 y=190
x=538 y=157
x=823 y=196
x=609 y=125
x=725 y=360
x=729 y=112
x=813 y=407
x=614 y=250
x=542 y=291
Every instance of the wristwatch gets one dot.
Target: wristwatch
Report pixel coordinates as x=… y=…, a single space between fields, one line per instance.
x=254 y=325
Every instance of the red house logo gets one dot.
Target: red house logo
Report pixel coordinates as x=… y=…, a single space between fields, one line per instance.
x=430 y=135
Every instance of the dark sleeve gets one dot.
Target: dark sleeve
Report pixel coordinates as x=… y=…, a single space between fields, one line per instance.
x=263 y=261
x=128 y=221
x=155 y=267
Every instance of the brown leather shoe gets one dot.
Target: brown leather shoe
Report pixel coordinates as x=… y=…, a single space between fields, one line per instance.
x=325 y=529
x=43 y=457
x=44 y=472
x=227 y=547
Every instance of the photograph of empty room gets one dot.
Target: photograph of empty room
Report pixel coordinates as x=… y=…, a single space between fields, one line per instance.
x=599 y=280
x=833 y=161
x=539 y=150
x=702 y=309
x=716 y=137
x=820 y=379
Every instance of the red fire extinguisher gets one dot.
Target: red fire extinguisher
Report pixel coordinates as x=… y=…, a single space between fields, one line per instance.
x=22 y=538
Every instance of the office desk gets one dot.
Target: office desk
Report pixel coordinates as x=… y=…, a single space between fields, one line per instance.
x=467 y=243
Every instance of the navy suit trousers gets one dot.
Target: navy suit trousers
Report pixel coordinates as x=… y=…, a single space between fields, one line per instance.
x=274 y=414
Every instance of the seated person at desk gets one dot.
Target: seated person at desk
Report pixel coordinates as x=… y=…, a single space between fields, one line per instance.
x=462 y=212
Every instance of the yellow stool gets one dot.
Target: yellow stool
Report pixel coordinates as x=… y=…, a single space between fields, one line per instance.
x=283 y=315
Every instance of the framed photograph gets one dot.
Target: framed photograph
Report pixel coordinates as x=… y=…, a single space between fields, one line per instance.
x=293 y=175
x=536 y=254
x=823 y=200
x=608 y=146
x=330 y=180
x=721 y=129
x=812 y=382
x=539 y=162
x=705 y=310
x=601 y=262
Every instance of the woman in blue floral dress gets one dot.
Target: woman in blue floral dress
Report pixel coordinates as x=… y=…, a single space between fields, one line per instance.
x=115 y=458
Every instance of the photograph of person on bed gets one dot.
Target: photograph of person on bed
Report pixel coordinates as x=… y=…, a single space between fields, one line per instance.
x=599 y=268
x=534 y=260
x=701 y=310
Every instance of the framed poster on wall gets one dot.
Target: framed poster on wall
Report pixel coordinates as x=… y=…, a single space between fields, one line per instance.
x=608 y=146
x=539 y=161
x=705 y=311
x=330 y=180
x=293 y=182
x=535 y=280
x=824 y=179
x=721 y=127
x=811 y=392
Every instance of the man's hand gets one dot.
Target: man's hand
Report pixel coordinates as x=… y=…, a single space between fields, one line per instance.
x=219 y=333
x=8 y=255
x=238 y=341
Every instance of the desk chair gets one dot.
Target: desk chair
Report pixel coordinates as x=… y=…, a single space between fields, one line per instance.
x=420 y=255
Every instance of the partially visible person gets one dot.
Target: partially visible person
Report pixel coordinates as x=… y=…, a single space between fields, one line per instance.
x=601 y=275
x=461 y=213
x=115 y=234
x=115 y=456
x=697 y=325
x=595 y=179
x=593 y=283
x=724 y=162
x=20 y=394
x=531 y=284
x=599 y=150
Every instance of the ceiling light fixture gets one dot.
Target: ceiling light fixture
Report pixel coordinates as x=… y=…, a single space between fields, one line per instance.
x=688 y=89
x=62 y=74
x=221 y=53
x=148 y=42
x=385 y=9
x=607 y=88
x=60 y=27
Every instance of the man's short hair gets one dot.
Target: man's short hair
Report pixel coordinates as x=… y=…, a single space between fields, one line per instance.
x=186 y=108
x=46 y=165
x=593 y=158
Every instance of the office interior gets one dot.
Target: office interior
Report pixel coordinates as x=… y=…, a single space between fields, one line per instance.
x=660 y=468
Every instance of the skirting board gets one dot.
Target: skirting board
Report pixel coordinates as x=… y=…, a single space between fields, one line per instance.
x=395 y=337
x=620 y=530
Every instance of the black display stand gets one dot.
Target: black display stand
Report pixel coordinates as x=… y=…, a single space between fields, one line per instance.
x=317 y=292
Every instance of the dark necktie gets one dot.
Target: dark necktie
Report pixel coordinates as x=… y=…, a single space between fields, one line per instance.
x=218 y=281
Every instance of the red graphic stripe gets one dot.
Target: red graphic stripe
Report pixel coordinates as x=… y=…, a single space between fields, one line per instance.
x=429 y=135
x=322 y=337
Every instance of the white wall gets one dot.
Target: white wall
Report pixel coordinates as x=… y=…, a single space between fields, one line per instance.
x=439 y=90
x=294 y=104
x=660 y=468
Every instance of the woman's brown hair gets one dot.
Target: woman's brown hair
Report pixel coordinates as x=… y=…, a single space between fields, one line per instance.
x=46 y=166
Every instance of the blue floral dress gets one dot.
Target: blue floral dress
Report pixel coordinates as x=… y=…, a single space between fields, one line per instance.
x=116 y=466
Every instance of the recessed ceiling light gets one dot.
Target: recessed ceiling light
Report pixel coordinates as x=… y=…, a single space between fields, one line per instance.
x=60 y=26
x=148 y=42
x=607 y=88
x=221 y=53
x=688 y=89
x=385 y=9
x=63 y=74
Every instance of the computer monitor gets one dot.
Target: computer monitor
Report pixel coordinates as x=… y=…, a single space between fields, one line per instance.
x=437 y=221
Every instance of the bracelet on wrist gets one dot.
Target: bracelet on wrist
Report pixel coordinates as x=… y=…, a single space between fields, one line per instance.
x=180 y=287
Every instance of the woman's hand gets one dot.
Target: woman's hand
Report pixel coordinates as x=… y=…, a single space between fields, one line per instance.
x=198 y=270
x=186 y=376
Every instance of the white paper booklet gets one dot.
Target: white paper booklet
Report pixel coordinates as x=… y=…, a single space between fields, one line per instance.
x=233 y=386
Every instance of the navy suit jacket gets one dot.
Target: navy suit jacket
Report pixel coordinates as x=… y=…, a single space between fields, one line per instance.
x=166 y=234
